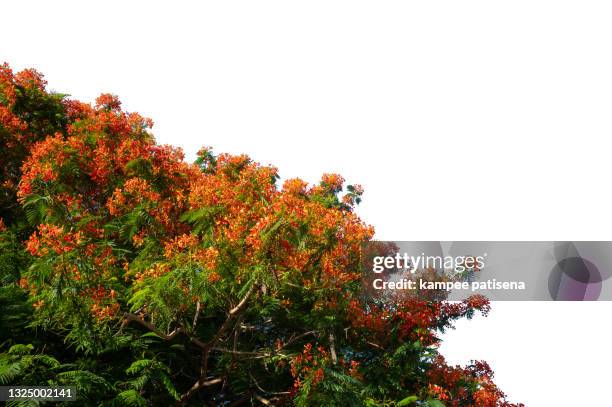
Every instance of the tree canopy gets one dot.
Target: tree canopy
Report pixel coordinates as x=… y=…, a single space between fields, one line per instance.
x=143 y=279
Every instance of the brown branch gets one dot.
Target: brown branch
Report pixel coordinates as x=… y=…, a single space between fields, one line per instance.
x=235 y=344
x=300 y=336
x=196 y=316
x=230 y=317
x=207 y=347
x=263 y=353
x=265 y=391
x=128 y=317
x=197 y=386
x=332 y=347
x=262 y=400
x=242 y=400
x=135 y=318
x=239 y=352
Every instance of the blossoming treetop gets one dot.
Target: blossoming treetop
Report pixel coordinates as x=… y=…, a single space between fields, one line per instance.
x=200 y=283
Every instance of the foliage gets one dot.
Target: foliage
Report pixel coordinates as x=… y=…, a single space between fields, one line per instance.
x=145 y=280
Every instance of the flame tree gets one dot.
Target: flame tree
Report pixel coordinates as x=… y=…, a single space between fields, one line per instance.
x=142 y=279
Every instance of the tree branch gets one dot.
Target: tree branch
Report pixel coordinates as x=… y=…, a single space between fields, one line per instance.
x=196 y=316
x=128 y=317
x=265 y=353
x=332 y=348
x=262 y=400
x=230 y=317
x=207 y=347
x=197 y=386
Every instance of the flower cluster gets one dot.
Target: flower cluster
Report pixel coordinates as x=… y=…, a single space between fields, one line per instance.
x=309 y=366
x=470 y=385
x=413 y=319
x=52 y=238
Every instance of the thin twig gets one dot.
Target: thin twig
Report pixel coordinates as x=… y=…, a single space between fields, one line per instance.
x=129 y=317
x=263 y=401
x=196 y=316
x=197 y=386
x=332 y=347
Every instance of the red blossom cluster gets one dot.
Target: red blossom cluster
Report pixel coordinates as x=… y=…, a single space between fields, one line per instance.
x=102 y=301
x=415 y=319
x=52 y=238
x=454 y=385
x=309 y=365
x=8 y=91
x=103 y=167
x=246 y=207
x=19 y=129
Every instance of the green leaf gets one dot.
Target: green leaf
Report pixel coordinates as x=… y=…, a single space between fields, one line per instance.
x=169 y=386
x=35 y=207
x=138 y=365
x=20 y=349
x=131 y=398
x=408 y=400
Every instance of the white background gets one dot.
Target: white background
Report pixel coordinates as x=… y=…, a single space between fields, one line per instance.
x=471 y=120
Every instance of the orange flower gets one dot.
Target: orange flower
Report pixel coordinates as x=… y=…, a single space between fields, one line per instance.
x=108 y=101
x=214 y=277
